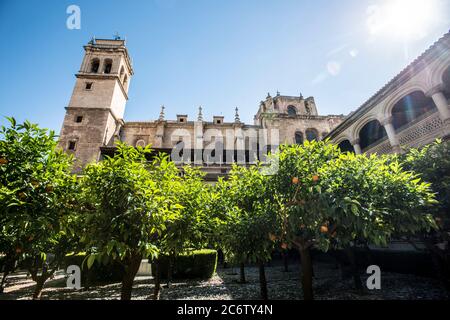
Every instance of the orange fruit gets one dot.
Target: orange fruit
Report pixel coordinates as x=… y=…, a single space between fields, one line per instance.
x=3 y=161
x=18 y=250
x=323 y=229
x=284 y=245
x=295 y=180
x=315 y=178
x=272 y=237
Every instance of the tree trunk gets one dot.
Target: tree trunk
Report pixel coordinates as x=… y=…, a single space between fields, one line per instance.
x=157 y=289
x=242 y=273
x=306 y=274
x=170 y=270
x=128 y=278
x=285 y=261
x=440 y=262
x=40 y=281
x=354 y=267
x=263 y=281
x=2 y=284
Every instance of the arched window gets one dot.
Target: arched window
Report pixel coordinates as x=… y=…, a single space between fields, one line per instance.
x=291 y=110
x=371 y=133
x=346 y=146
x=125 y=80
x=95 y=64
x=311 y=134
x=298 y=137
x=108 y=66
x=411 y=107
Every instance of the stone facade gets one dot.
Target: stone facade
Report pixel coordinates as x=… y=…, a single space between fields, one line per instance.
x=94 y=119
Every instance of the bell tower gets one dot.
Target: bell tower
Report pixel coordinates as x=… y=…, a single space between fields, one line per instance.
x=95 y=112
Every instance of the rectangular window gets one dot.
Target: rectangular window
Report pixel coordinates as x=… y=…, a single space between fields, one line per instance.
x=79 y=119
x=72 y=145
x=88 y=85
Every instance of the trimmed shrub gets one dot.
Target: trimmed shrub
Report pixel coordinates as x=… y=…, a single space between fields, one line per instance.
x=194 y=264
x=98 y=274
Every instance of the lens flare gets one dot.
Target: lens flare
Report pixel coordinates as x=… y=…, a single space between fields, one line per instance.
x=402 y=18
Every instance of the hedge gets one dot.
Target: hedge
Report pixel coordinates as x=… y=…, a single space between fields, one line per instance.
x=190 y=265
x=98 y=274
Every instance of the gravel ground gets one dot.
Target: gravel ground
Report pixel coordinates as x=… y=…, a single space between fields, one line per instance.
x=224 y=286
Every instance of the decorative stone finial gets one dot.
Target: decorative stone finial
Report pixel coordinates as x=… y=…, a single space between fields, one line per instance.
x=268 y=95
x=236 y=116
x=278 y=93
x=301 y=96
x=161 y=114
x=200 y=115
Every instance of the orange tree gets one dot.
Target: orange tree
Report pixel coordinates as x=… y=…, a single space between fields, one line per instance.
x=192 y=227
x=432 y=163
x=127 y=209
x=37 y=199
x=372 y=199
x=248 y=219
x=297 y=192
x=328 y=199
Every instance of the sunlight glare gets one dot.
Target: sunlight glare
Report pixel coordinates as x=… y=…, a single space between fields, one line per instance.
x=402 y=18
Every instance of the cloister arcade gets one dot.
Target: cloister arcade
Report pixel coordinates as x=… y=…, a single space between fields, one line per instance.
x=410 y=111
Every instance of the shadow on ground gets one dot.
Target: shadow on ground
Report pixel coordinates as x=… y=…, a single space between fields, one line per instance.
x=328 y=285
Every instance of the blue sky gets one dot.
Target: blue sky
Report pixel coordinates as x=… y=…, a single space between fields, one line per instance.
x=216 y=53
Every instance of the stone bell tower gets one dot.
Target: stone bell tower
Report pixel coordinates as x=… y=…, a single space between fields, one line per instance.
x=95 y=112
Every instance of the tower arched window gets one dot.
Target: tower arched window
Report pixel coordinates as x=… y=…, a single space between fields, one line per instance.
x=291 y=110
x=108 y=66
x=298 y=137
x=95 y=64
x=125 y=80
x=311 y=134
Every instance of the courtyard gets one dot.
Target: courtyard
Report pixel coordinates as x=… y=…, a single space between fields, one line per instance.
x=224 y=285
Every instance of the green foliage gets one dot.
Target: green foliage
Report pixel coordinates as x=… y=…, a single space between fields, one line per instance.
x=248 y=215
x=372 y=198
x=328 y=198
x=192 y=228
x=37 y=195
x=432 y=163
x=191 y=264
x=129 y=205
x=298 y=193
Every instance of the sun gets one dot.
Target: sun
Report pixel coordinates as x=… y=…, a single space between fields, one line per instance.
x=402 y=18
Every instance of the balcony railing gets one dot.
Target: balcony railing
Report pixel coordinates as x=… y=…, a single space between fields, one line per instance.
x=423 y=131
x=419 y=132
x=382 y=146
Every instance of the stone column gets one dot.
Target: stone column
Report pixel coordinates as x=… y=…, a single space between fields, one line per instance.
x=392 y=135
x=356 y=146
x=440 y=101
